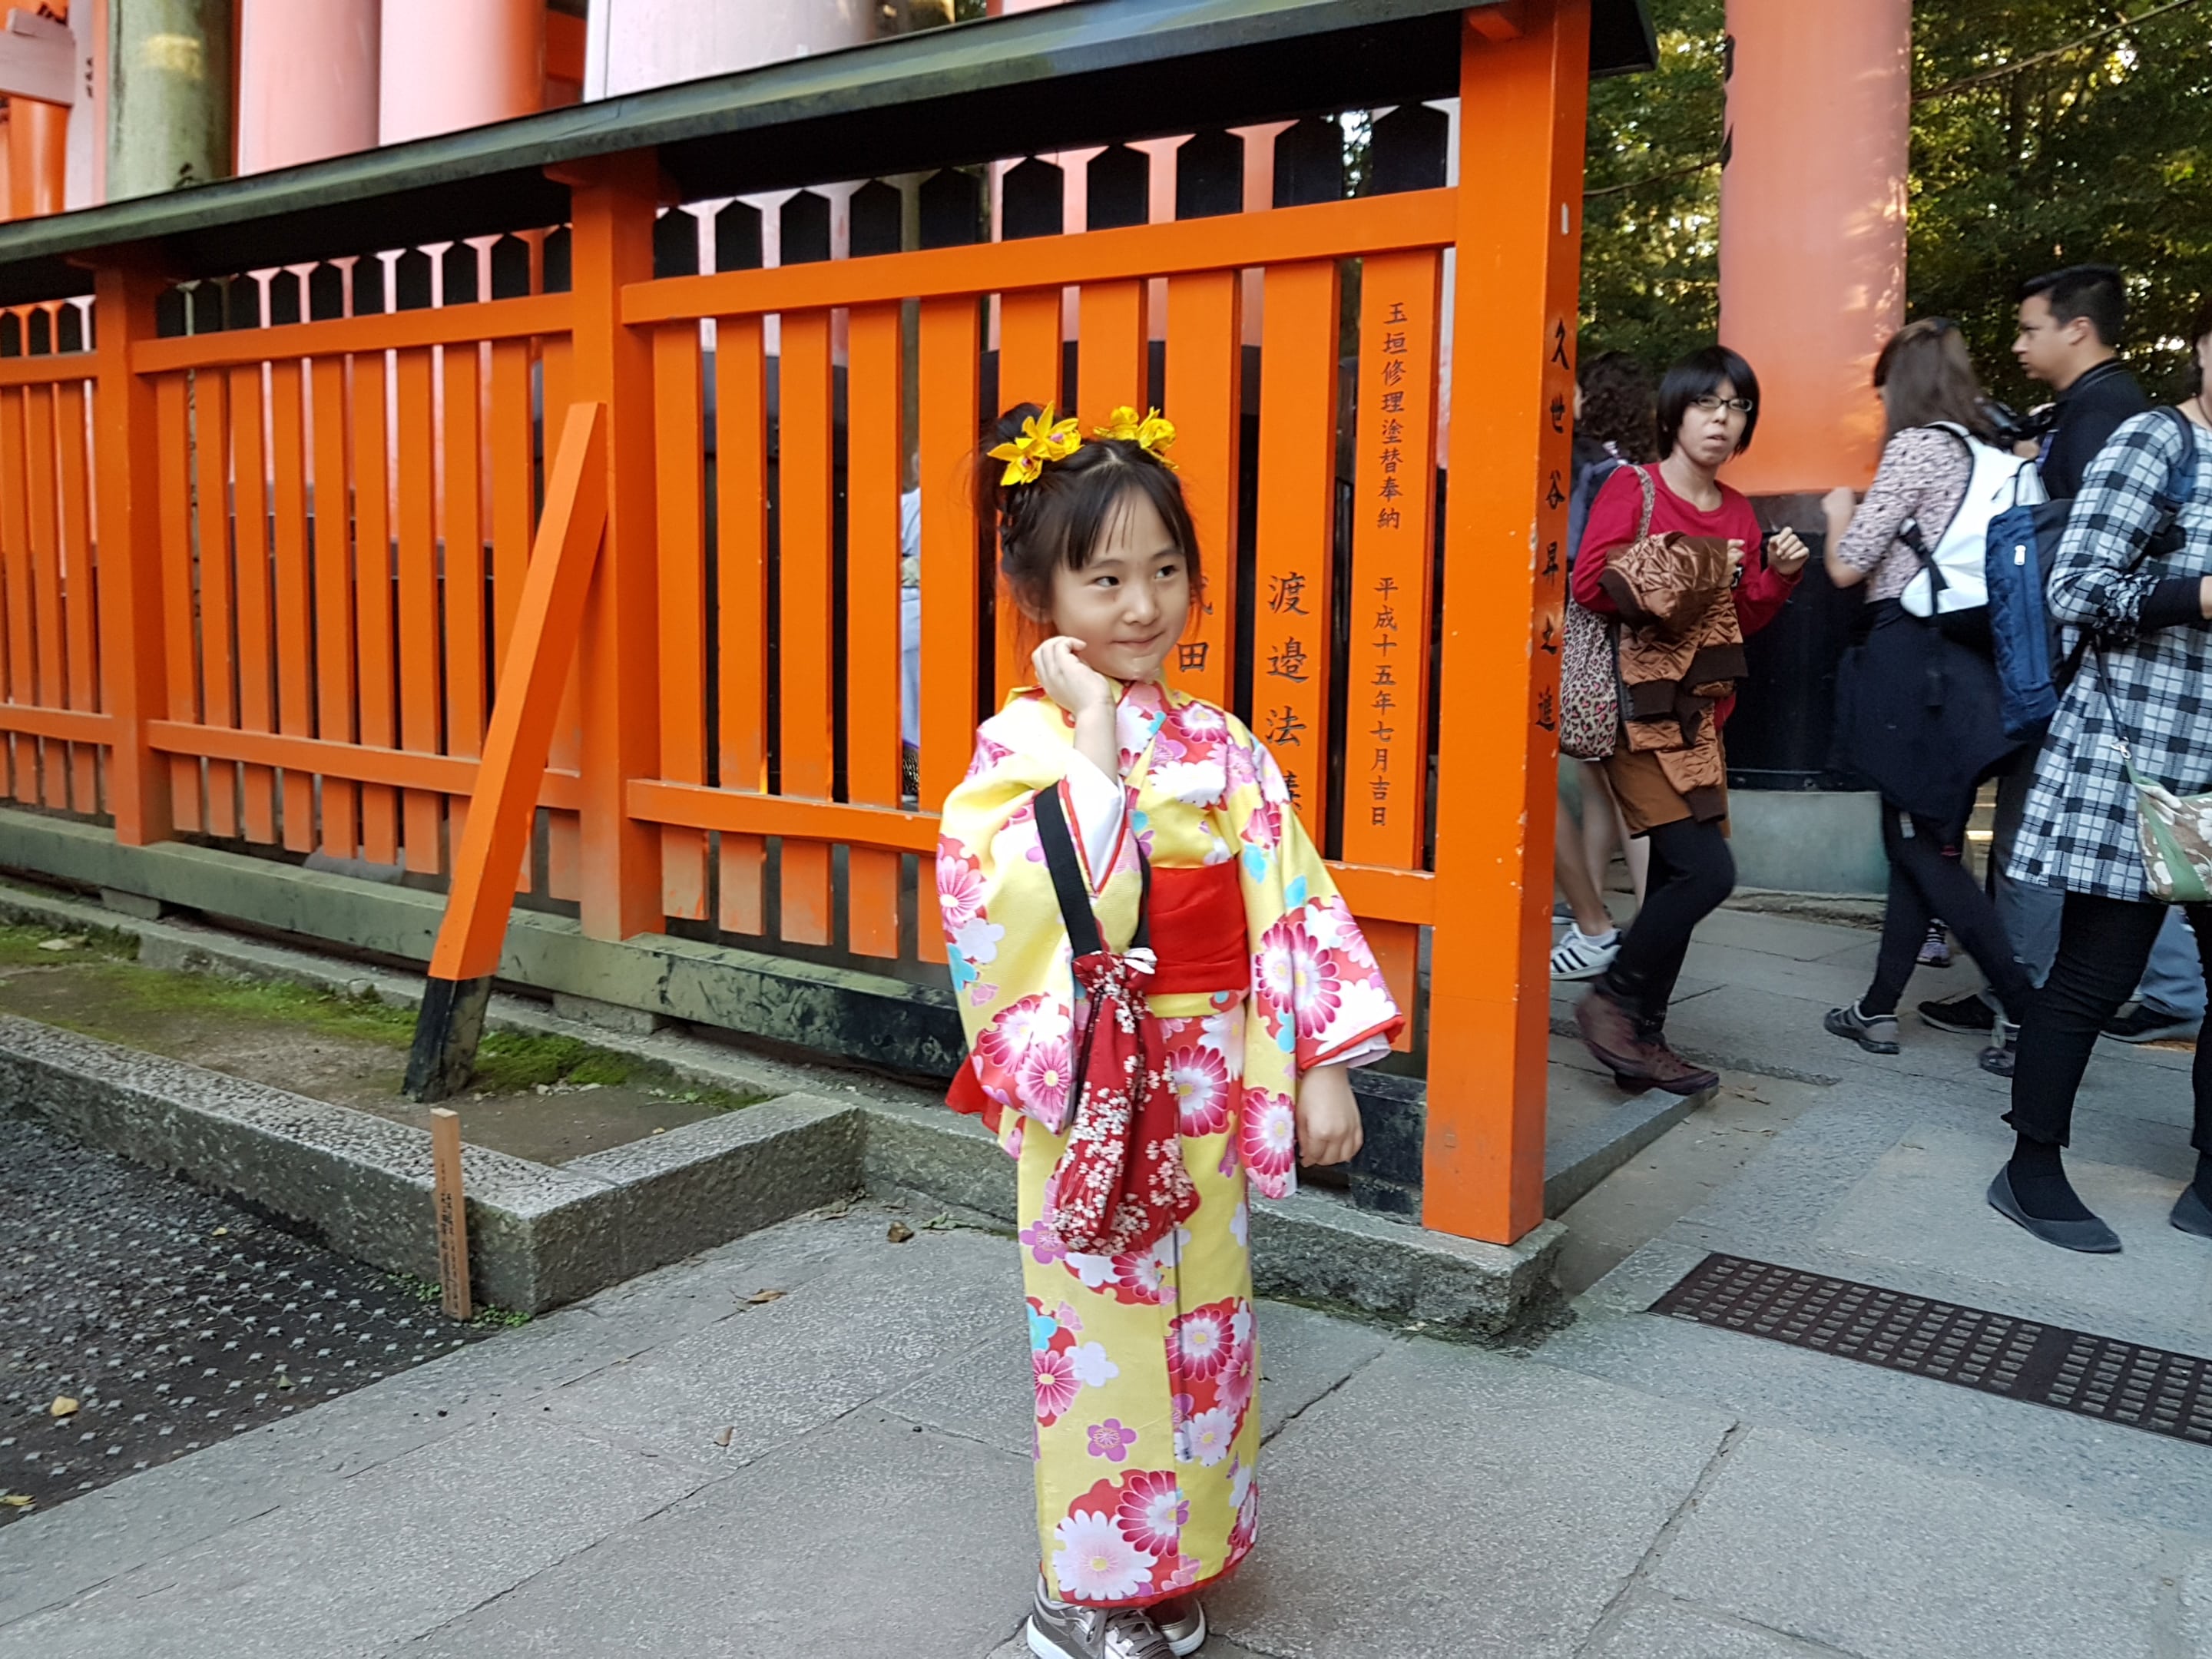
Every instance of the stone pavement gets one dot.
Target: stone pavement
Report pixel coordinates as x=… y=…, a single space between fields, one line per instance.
x=679 y=1468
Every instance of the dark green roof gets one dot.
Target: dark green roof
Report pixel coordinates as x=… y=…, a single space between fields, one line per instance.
x=1059 y=78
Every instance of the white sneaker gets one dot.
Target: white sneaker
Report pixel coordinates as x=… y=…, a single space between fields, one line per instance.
x=1577 y=956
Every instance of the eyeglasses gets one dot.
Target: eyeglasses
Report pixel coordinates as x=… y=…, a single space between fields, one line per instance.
x=1713 y=405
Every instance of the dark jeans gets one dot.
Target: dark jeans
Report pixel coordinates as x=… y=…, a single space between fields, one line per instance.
x=1693 y=871
x=2103 y=945
x=1927 y=880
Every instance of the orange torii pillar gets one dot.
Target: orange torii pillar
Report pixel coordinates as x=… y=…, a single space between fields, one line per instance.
x=1812 y=254
x=307 y=81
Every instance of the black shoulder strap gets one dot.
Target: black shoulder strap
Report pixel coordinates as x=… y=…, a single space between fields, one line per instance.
x=1067 y=883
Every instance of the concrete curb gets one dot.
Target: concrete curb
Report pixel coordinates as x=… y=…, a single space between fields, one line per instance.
x=541 y=1236
x=538 y=1236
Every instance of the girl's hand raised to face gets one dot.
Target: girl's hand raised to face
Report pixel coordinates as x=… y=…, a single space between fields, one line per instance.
x=1068 y=680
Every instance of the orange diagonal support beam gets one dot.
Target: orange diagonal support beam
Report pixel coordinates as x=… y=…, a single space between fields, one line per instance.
x=527 y=701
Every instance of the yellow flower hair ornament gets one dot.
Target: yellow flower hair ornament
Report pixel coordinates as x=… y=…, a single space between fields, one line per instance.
x=1043 y=440
x=1152 y=433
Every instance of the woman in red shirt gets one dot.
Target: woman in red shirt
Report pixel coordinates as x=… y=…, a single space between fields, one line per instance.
x=1708 y=410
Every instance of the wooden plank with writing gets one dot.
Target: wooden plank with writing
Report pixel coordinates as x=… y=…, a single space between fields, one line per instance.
x=451 y=1210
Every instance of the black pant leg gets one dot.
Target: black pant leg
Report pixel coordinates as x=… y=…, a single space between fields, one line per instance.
x=2200 y=923
x=2103 y=946
x=1904 y=919
x=1956 y=896
x=1693 y=871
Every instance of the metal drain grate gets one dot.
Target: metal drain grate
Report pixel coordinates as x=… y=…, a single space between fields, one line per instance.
x=2150 y=1389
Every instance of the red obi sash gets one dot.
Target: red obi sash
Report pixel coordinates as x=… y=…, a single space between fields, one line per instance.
x=1197 y=934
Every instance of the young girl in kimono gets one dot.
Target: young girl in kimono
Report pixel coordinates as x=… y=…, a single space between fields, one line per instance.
x=1163 y=994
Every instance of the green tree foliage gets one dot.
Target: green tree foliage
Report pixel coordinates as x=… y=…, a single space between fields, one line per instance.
x=2042 y=135
x=1651 y=202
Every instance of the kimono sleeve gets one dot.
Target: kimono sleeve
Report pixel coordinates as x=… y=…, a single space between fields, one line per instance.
x=1005 y=940
x=1316 y=991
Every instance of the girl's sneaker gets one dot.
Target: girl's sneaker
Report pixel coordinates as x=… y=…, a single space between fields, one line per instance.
x=1935 y=948
x=1577 y=956
x=1183 y=1623
x=1062 y=1629
x=1875 y=1033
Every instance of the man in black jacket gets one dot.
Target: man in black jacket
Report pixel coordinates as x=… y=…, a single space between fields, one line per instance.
x=2069 y=336
x=2071 y=324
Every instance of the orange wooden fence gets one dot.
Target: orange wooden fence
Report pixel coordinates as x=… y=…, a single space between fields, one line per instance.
x=262 y=541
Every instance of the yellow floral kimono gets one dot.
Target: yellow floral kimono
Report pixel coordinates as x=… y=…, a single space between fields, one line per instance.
x=1145 y=1364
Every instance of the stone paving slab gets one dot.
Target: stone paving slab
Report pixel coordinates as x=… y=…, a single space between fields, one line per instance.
x=873 y=1537
x=1923 y=1203
x=2196 y=1606
x=2095 y=1468
x=1447 y=1502
x=51 y=1556
x=1889 y=1562
x=351 y=1570
x=726 y=1393
x=1658 y=1629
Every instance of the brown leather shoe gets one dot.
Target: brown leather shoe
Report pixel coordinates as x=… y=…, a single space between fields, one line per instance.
x=1677 y=1076
x=1609 y=1031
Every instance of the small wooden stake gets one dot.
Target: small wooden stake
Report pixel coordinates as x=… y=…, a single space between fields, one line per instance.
x=452 y=1214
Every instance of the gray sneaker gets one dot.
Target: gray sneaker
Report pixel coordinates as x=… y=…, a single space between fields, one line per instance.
x=1875 y=1033
x=1061 y=1629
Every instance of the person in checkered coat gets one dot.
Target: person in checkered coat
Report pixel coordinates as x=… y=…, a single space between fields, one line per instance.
x=2136 y=578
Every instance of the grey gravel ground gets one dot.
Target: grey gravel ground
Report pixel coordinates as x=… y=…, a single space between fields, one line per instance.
x=172 y=1318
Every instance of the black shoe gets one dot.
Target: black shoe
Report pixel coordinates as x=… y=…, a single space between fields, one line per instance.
x=2144 y=1024
x=1968 y=1015
x=2190 y=1214
x=2091 y=1237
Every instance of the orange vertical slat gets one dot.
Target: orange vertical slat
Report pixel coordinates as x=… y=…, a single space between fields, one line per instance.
x=874 y=461
x=1204 y=399
x=1393 y=533
x=741 y=601
x=1030 y=358
x=1110 y=359
x=461 y=509
x=680 y=473
x=173 y=484
x=419 y=634
x=218 y=617
x=1296 y=530
x=249 y=483
x=44 y=539
x=79 y=601
x=950 y=573
x=508 y=443
x=16 y=557
x=334 y=591
x=372 y=571
x=803 y=555
x=564 y=845
x=295 y=713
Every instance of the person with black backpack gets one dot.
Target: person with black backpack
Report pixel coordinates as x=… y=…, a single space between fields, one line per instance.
x=1916 y=698
x=2071 y=323
x=2134 y=575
